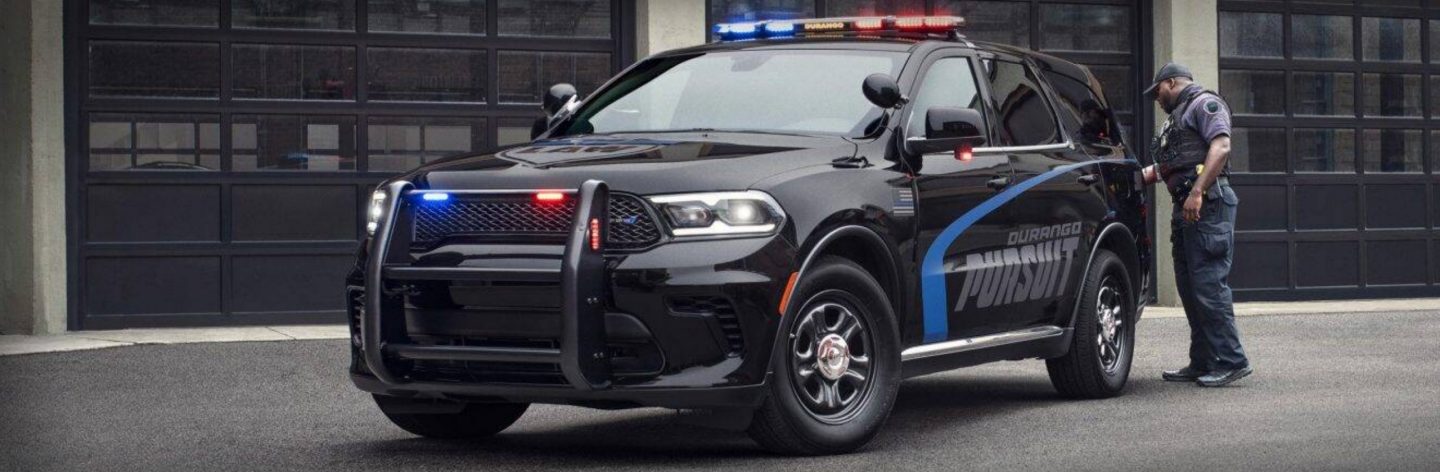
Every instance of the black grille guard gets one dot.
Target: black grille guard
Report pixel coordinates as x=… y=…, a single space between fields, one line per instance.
x=581 y=352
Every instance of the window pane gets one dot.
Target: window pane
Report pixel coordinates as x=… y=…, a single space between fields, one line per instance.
x=512 y=132
x=1001 y=22
x=292 y=143
x=1390 y=39
x=1251 y=34
x=154 y=142
x=1254 y=92
x=1025 y=117
x=294 y=72
x=294 y=14
x=1392 y=95
x=571 y=19
x=1322 y=37
x=1257 y=149
x=1434 y=40
x=145 y=69
x=155 y=12
x=426 y=75
x=753 y=10
x=1085 y=28
x=1393 y=150
x=874 y=7
x=427 y=16
x=1324 y=93
x=399 y=144
x=1325 y=150
x=1118 y=84
x=525 y=76
x=949 y=82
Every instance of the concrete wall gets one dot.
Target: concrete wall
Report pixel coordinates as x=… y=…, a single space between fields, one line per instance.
x=662 y=25
x=1186 y=31
x=32 y=168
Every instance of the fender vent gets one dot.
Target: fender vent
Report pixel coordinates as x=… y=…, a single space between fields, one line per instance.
x=721 y=309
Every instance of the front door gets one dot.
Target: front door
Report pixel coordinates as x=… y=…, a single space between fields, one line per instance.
x=958 y=235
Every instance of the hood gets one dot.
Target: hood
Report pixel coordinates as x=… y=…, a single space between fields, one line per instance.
x=643 y=164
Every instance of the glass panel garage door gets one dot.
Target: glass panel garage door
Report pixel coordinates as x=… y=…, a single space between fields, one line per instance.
x=1335 y=146
x=221 y=150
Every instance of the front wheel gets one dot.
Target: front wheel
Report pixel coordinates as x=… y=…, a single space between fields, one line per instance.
x=440 y=419
x=1103 y=343
x=836 y=367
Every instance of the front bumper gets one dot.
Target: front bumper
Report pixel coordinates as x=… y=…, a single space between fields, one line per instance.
x=592 y=328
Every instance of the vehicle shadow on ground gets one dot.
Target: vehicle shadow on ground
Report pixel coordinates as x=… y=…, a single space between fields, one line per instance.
x=659 y=438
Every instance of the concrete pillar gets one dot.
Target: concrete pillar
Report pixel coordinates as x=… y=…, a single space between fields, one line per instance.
x=1186 y=31
x=32 y=168
x=662 y=25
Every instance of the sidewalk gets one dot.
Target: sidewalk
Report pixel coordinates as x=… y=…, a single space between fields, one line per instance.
x=80 y=340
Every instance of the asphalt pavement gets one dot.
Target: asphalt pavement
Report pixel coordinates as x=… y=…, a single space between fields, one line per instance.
x=1331 y=392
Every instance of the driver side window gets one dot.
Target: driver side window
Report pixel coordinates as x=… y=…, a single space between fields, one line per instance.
x=950 y=82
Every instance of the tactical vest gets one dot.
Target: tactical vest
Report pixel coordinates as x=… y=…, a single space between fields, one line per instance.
x=1177 y=149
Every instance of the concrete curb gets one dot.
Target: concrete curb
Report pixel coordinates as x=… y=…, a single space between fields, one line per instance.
x=1312 y=308
x=11 y=345
x=81 y=340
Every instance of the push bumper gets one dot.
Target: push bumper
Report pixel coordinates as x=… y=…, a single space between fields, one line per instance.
x=384 y=348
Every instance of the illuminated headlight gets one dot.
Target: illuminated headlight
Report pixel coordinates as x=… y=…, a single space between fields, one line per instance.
x=720 y=213
x=375 y=212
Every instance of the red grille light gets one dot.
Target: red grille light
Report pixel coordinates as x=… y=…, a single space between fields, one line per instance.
x=550 y=197
x=594 y=234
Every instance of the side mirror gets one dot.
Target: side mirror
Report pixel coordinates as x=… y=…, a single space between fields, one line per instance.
x=882 y=90
x=948 y=128
x=556 y=99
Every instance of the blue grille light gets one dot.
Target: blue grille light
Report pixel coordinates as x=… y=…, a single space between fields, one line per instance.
x=435 y=197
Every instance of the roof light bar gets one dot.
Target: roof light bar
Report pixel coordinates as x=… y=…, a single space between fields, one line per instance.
x=888 y=25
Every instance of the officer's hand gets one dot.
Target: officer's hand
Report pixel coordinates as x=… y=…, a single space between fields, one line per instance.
x=1192 y=206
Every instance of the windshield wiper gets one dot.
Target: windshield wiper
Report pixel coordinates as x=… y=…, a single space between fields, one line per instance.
x=715 y=130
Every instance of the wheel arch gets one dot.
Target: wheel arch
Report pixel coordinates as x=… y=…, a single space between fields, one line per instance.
x=1117 y=238
x=864 y=246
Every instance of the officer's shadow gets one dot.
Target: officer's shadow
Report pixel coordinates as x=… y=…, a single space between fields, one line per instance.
x=656 y=437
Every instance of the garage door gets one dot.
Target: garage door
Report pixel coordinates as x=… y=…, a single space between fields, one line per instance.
x=1335 y=108
x=220 y=151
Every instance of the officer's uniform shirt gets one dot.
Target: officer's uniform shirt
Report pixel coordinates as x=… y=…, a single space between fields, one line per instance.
x=1207 y=115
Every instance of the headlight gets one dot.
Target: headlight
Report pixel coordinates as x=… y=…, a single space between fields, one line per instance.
x=375 y=212
x=720 y=213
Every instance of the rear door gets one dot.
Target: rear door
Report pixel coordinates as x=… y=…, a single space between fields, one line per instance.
x=956 y=253
x=1061 y=202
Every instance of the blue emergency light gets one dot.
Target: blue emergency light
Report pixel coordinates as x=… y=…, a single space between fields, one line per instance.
x=435 y=197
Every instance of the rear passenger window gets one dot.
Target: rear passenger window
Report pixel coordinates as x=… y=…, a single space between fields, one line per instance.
x=1025 y=117
x=1082 y=112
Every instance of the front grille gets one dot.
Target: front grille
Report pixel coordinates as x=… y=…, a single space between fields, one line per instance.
x=631 y=225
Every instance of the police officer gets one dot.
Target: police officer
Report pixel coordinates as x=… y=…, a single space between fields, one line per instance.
x=1192 y=155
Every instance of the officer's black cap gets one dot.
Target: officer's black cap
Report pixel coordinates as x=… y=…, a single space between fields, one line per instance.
x=1170 y=71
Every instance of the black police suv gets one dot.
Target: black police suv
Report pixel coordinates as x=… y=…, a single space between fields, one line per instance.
x=770 y=231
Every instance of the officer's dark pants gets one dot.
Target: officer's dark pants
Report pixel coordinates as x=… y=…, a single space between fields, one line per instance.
x=1202 y=252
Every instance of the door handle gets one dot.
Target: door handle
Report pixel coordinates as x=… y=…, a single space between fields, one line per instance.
x=1088 y=179
x=998 y=183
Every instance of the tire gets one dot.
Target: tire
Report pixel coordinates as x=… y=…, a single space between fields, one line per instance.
x=1098 y=362
x=438 y=419
x=800 y=416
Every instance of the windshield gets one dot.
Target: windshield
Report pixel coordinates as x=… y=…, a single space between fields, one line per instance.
x=802 y=92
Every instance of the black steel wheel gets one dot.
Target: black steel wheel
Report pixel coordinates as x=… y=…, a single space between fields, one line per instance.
x=836 y=364
x=1103 y=343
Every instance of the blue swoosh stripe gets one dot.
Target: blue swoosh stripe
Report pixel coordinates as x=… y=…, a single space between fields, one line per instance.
x=932 y=269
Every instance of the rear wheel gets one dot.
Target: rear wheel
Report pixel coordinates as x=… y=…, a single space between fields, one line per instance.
x=440 y=419
x=837 y=365
x=1103 y=344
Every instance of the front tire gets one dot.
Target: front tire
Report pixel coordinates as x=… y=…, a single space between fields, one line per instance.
x=1103 y=344
x=438 y=419
x=836 y=365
